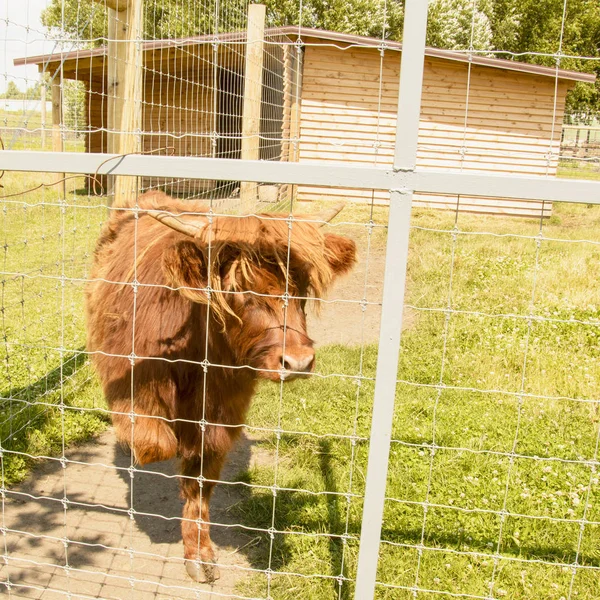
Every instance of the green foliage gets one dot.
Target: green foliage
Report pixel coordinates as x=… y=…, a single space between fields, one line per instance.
x=87 y=23
x=517 y=26
x=535 y=26
x=12 y=91
x=83 y=22
x=74 y=105
x=452 y=21
x=365 y=18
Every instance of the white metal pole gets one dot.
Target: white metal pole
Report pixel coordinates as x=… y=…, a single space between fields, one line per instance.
x=405 y=156
x=321 y=174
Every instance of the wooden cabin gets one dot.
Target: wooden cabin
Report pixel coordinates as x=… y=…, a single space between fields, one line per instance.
x=332 y=97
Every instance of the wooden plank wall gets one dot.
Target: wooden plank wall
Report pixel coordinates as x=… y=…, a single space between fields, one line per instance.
x=178 y=118
x=349 y=114
x=173 y=105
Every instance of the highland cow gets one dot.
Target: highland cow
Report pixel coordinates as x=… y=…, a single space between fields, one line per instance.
x=184 y=315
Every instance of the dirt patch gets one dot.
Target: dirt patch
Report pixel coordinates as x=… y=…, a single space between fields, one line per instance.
x=342 y=319
x=113 y=552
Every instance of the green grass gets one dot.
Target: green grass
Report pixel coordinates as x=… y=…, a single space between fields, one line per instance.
x=474 y=430
x=579 y=169
x=22 y=131
x=42 y=322
x=472 y=417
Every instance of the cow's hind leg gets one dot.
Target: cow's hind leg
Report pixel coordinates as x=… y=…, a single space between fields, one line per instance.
x=148 y=430
x=195 y=526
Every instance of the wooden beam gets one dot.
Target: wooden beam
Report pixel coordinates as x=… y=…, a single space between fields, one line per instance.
x=290 y=132
x=57 y=143
x=124 y=107
x=43 y=108
x=57 y=121
x=253 y=75
x=295 y=113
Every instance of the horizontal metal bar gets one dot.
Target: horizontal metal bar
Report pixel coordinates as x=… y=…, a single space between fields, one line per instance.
x=551 y=189
x=190 y=167
x=321 y=174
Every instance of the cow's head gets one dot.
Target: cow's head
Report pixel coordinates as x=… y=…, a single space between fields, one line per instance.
x=258 y=272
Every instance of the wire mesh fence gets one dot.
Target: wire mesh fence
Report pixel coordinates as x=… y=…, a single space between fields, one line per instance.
x=138 y=325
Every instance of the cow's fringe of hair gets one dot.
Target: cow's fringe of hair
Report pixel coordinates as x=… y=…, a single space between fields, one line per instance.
x=252 y=241
x=243 y=273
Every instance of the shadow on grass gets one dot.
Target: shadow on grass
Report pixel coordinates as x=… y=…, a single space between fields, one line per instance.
x=28 y=410
x=336 y=523
x=14 y=401
x=297 y=513
x=241 y=515
x=310 y=513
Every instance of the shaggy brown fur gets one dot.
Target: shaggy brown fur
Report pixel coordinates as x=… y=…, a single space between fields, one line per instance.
x=150 y=328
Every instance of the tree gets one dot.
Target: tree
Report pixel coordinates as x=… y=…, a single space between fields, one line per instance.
x=514 y=29
x=455 y=24
x=74 y=106
x=12 y=91
x=362 y=17
x=85 y=21
x=535 y=26
x=82 y=21
x=33 y=92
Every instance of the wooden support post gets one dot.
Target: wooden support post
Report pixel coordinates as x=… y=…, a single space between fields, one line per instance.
x=290 y=131
x=283 y=194
x=57 y=142
x=125 y=77
x=253 y=75
x=57 y=121
x=43 y=109
x=295 y=113
x=295 y=108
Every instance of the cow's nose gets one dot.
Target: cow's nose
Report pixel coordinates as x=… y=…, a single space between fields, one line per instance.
x=299 y=364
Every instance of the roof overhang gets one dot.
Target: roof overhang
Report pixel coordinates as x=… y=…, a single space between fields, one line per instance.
x=341 y=40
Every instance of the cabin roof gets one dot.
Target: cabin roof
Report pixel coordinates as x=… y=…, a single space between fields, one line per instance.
x=341 y=40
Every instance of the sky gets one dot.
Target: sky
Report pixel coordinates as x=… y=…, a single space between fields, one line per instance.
x=21 y=34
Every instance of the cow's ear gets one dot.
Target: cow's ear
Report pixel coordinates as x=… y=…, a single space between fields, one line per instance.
x=185 y=267
x=340 y=252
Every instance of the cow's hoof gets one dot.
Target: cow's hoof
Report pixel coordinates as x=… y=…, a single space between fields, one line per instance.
x=202 y=572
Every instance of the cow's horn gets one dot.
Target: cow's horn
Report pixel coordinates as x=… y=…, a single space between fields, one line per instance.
x=173 y=222
x=330 y=213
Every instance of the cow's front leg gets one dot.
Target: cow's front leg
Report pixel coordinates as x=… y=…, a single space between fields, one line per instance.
x=198 y=549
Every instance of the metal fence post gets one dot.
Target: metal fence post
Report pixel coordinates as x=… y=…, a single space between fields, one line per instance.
x=405 y=155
